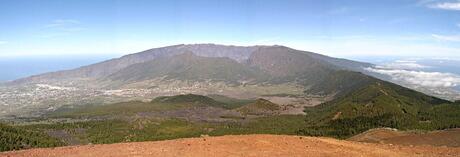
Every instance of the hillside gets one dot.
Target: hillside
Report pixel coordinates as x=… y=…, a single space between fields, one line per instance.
x=13 y=138
x=161 y=105
x=263 y=65
x=188 y=66
x=111 y=66
x=260 y=107
x=233 y=71
x=237 y=53
x=381 y=104
x=188 y=98
x=249 y=145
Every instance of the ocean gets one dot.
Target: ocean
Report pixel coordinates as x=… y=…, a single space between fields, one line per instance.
x=12 y=68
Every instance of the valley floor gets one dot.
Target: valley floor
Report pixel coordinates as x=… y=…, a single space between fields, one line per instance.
x=242 y=145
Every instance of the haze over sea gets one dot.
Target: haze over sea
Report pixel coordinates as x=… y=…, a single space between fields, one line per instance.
x=18 y=67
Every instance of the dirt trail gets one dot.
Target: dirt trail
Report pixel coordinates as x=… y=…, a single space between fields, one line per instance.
x=244 y=145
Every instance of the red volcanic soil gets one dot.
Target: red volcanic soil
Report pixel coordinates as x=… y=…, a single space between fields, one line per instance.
x=450 y=138
x=244 y=146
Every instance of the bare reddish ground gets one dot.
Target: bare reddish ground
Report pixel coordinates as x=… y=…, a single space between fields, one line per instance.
x=449 y=137
x=242 y=146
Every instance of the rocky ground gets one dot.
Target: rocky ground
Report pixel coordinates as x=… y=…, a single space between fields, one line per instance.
x=449 y=137
x=243 y=145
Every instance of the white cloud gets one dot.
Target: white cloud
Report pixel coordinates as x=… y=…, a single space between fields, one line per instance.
x=446 y=5
x=61 y=27
x=62 y=23
x=403 y=65
x=424 y=2
x=446 y=59
x=420 y=78
x=446 y=37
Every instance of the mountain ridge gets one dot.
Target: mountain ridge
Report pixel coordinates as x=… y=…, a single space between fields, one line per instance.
x=108 y=67
x=287 y=75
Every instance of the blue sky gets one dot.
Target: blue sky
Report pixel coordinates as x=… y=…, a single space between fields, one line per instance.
x=422 y=28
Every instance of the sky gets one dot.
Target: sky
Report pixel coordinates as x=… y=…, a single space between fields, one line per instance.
x=339 y=28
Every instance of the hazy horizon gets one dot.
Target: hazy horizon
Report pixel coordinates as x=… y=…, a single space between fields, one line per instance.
x=35 y=36
x=422 y=28
x=20 y=67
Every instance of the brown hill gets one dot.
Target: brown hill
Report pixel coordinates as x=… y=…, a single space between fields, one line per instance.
x=247 y=145
x=450 y=138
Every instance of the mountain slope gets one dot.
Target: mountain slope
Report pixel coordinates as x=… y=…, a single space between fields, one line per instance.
x=381 y=104
x=278 y=61
x=341 y=63
x=378 y=98
x=109 y=67
x=188 y=66
x=276 y=65
x=241 y=72
x=285 y=62
x=265 y=64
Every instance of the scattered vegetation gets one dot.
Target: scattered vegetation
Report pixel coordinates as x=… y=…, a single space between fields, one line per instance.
x=16 y=138
x=117 y=109
x=113 y=131
x=230 y=103
x=379 y=104
x=260 y=107
x=191 y=99
x=158 y=104
x=188 y=66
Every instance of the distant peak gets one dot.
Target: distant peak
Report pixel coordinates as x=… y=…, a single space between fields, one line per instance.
x=224 y=45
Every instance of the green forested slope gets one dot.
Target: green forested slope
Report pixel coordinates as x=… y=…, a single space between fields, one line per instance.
x=15 y=138
x=380 y=104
